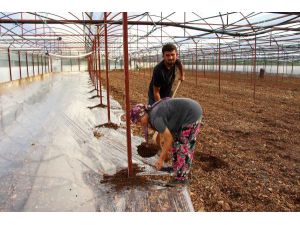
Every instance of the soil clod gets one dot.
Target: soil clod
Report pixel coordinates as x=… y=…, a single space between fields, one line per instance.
x=147 y=150
x=108 y=125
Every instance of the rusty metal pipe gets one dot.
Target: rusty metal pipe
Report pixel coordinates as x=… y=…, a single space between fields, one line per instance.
x=42 y=65
x=106 y=67
x=33 y=64
x=219 y=66
x=9 y=63
x=20 y=64
x=27 y=64
x=127 y=99
x=99 y=66
x=254 y=68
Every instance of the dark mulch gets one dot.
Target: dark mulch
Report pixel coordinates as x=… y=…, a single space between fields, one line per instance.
x=147 y=150
x=121 y=179
x=97 y=106
x=108 y=125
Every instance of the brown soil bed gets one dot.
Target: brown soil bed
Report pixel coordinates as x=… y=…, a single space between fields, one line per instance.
x=248 y=151
x=147 y=150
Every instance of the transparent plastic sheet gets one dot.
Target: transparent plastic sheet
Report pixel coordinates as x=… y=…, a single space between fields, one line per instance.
x=51 y=161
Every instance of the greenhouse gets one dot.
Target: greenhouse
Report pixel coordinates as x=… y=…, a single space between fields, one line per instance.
x=68 y=83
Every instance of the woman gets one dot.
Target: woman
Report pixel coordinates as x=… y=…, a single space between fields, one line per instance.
x=177 y=120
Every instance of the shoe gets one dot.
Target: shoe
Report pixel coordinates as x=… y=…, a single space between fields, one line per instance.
x=167 y=169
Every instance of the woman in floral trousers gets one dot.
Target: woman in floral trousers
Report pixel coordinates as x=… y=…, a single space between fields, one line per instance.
x=177 y=120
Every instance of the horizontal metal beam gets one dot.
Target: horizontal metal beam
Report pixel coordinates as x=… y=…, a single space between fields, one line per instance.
x=119 y=22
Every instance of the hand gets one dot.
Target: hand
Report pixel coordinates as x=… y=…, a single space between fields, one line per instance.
x=159 y=164
x=182 y=78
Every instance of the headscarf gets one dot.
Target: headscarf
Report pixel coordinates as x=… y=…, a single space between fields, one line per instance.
x=137 y=112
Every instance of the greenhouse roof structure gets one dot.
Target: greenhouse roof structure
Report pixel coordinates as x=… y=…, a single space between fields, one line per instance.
x=274 y=35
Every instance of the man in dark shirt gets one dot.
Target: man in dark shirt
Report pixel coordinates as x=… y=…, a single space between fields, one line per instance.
x=177 y=120
x=164 y=74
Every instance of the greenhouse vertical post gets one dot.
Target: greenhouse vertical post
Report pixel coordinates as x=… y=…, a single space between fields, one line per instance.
x=254 y=68
x=219 y=65
x=9 y=63
x=27 y=64
x=20 y=70
x=78 y=62
x=42 y=65
x=106 y=66
x=96 y=65
x=196 y=63
x=33 y=64
x=99 y=65
x=128 y=131
x=38 y=64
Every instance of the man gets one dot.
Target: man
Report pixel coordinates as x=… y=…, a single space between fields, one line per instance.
x=164 y=74
x=177 y=120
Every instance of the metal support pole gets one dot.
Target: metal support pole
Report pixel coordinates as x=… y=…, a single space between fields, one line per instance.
x=235 y=64
x=127 y=100
x=106 y=67
x=196 y=64
x=99 y=66
x=96 y=65
x=20 y=64
x=292 y=66
x=78 y=63
x=42 y=65
x=89 y=65
x=219 y=66
x=139 y=65
x=9 y=63
x=47 y=62
x=144 y=65
x=51 y=64
x=61 y=63
x=71 y=63
x=254 y=68
x=27 y=64
x=204 y=64
x=213 y=62
x=192 y=64
x=33 y=64
x=278 y=61
x=38 y=63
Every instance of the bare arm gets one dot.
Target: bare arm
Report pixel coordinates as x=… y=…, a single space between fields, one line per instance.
x=181 y=71
x=156 y=93
x=166 y=148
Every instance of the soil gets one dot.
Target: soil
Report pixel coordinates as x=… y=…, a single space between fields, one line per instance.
x=97 y=106
x=95 y=96
x=147 y=150
x=97 y=134
x=248 y=151
x=121 y=180
x=109 y=125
